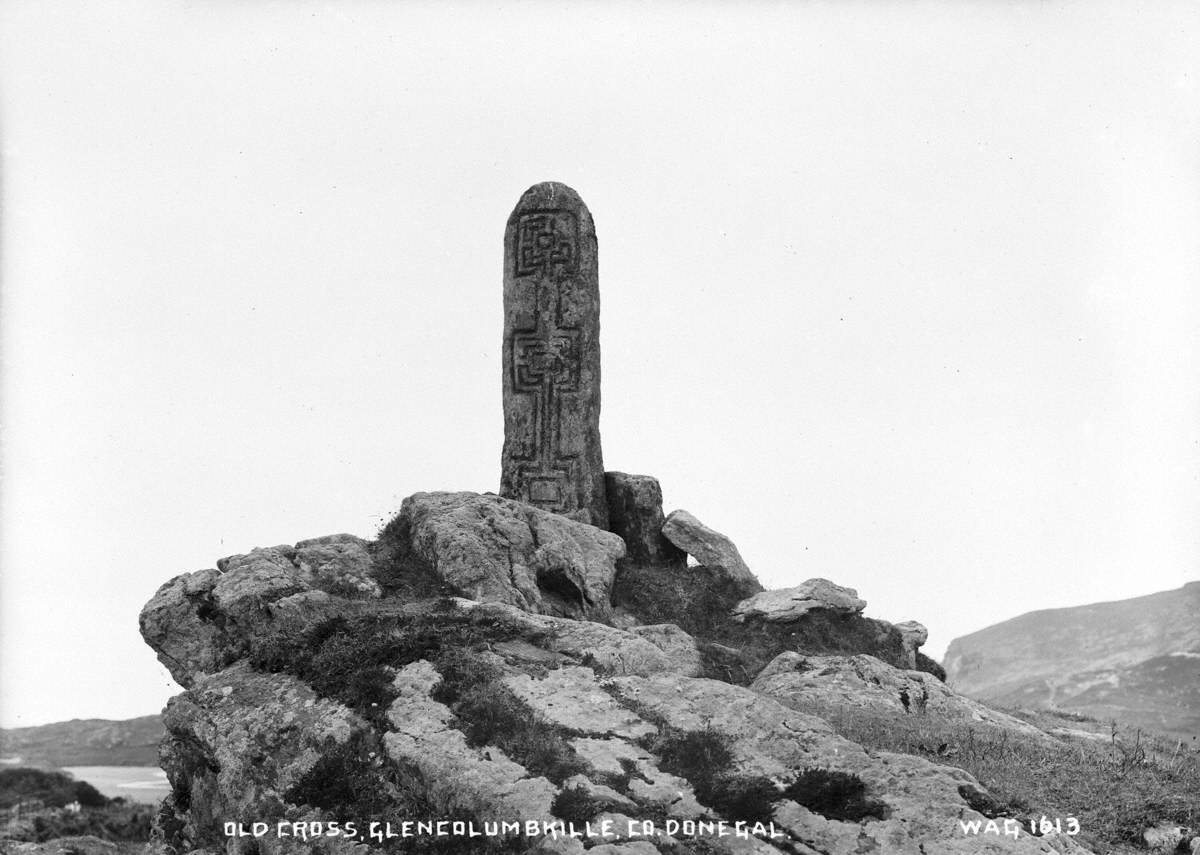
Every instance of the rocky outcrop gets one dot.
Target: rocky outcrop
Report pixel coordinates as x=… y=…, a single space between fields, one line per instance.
x=865 y=683
x=912 y=635
x=635 y=513
x=790 y=604
x=707 y=546
x=338 y=563
x=499 y=550
x=244 y=745
x=641 y=650
x=199 y=622
x=457 y=776
x=316 y=693
x=910 y=804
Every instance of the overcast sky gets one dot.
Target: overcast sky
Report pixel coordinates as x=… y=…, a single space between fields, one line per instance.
x=900 y=295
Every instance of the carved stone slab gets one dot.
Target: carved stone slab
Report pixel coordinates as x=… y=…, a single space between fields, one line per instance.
x=551 y=357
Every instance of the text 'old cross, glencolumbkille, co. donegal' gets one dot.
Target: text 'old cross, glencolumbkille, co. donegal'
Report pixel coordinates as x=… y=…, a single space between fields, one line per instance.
x=551 y=457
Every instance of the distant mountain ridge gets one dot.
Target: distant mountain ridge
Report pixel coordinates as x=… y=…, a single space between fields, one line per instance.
x=1135 y=660
x=85 y=742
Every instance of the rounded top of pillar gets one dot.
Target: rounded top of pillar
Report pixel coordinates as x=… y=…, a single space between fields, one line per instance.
x=550 y=195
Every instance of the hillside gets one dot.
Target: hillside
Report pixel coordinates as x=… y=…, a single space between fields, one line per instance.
x=86 y=742
x=1135 y=660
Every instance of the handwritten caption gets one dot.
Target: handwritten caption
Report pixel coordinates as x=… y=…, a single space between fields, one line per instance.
x=603 y=829
x=1014 y=828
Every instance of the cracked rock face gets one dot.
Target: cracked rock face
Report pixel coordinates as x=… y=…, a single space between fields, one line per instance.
x=200 y=622
x=237 y=742
x=458 y=777
x=499 y=550
x=635 y=513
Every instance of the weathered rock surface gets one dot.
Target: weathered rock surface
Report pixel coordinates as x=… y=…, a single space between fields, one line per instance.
x=340 y=563
x=864 y=682
x=238 y=742
x=606 y=648
x=707 y=546
x=790 y=604
x=912 y=635
x=310 y=697
x=921 y=802
x=457 y=777
x=200 y=622
x=497 y=550
x=635 y=512
x=680 y=647
x=551 y=355
x=571 y=698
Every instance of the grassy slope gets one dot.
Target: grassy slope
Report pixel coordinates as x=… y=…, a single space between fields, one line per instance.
x=1116 y=786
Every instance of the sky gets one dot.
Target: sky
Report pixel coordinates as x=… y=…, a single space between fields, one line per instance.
x=899 y=295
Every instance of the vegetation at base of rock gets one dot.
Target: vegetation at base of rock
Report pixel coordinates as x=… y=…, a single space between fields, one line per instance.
x=575 y=804
x=401 y=573
x=706 y=759
x=699 y=600
x=490 y=714
x=834 y=795
x=696 y=599
x=353 y=659
x=929 y=666
x=37 y=800
x=1116 y=788
x=354 y=778
x=985 y=803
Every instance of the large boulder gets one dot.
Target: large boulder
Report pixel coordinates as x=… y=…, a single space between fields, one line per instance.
x=200 y=622
x=865 y=683
x=786 y=605
x=242 y=746
x=499 y=550
x=635 y=512
x=707 y=546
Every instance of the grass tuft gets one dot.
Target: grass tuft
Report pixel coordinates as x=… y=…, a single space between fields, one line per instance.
x=834 y=795
x=489 y=713
x=575 y=804
x=706 y=759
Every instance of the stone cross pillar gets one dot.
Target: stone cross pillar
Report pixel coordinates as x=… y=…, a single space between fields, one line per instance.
x=551 y=457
